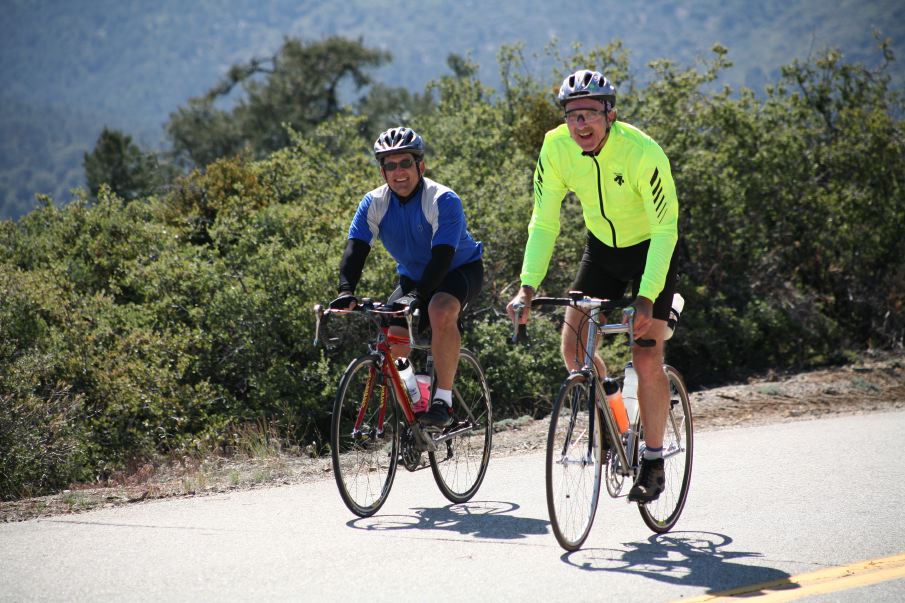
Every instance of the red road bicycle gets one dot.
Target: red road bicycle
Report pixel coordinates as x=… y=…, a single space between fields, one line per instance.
x=374 y=427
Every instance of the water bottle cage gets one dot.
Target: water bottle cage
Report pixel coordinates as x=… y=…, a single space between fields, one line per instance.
x=674 y=312
x=673 y=319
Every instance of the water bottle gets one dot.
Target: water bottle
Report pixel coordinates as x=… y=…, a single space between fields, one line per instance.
x=630 y=393
x=408 y=377
x=678 y=302
x=614 y=397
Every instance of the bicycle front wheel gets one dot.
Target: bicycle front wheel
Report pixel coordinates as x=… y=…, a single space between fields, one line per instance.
x=364 y=437
x=678 y=450
x=460 y=462
x=574 y=463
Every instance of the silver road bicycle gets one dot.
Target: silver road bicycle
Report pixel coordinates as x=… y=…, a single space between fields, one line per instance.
x=585 y=446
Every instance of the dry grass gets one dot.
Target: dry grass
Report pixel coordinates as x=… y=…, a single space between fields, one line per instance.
x=261 y=459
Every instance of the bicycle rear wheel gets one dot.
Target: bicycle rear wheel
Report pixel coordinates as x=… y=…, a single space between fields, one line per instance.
x=678 y=451
x=460 y=463
x=574 y=463
x=364 y=437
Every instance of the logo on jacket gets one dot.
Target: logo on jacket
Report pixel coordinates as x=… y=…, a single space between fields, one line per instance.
x=618 y=179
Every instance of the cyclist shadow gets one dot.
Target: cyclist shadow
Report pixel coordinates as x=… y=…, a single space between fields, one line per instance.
x=479 y=519
x=686 y=559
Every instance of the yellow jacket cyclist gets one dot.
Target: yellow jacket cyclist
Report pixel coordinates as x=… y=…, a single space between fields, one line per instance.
x=627 y=196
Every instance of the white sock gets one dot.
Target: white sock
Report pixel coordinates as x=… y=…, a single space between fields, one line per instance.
x=653 y=453
x=445 y=395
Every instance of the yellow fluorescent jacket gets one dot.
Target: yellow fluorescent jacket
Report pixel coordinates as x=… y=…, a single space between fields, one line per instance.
x=627 y=196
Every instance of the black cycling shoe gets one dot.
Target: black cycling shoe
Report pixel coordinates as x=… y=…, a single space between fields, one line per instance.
x=438 y=415
x=650 y=483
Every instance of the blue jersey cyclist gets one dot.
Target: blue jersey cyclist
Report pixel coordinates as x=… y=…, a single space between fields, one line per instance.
x=421 y=223
x=624 y=183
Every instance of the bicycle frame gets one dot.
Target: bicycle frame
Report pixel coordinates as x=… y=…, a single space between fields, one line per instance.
x=592 y=307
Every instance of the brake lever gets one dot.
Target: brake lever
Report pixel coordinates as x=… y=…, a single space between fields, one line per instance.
x=519 y=330
x=319 y=314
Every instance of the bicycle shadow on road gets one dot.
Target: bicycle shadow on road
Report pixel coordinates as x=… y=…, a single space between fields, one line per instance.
x=479 y=519
x=682 y=558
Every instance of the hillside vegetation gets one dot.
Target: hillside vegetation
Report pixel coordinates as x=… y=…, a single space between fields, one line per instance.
x=132 y=329
x=74 y=68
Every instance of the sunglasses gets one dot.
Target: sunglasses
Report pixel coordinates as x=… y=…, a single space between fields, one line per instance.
x=583 y=115
x=391 y=166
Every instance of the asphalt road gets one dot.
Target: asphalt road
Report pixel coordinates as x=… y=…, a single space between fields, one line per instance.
x=767 y=505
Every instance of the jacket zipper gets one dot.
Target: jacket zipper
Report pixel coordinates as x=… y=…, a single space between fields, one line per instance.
x=600 y=197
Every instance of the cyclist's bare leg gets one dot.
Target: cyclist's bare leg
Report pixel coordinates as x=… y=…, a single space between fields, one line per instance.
x=572 y=347
x=445 y=339
x=653 y=387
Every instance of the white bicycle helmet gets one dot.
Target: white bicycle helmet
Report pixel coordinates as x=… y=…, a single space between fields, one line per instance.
x=585 y=83
x=399 y=140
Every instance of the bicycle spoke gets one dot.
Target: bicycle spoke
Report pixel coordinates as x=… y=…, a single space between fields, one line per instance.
x=364 y=438
x=573 y=465
x=662 y=514
x=460 y=463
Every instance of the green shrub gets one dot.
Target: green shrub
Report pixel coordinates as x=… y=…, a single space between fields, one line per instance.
x=171 y=324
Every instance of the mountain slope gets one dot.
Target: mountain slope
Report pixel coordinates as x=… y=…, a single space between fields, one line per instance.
x=129 y=64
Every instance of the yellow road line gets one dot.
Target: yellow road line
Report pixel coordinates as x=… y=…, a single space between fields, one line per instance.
x=829 y=580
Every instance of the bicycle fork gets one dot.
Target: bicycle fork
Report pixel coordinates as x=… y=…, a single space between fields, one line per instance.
x=377 y=431
x=587 y=457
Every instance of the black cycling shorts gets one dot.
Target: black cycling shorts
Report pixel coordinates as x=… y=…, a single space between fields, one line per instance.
x=606 y=272
x=464 y=283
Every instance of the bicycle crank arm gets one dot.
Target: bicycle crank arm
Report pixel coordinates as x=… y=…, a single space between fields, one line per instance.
x=423 y=437
x=456 y=432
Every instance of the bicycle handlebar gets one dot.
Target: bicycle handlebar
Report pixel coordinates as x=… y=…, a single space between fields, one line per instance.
x=520 y=331
x=369 y=306
x=583 y=302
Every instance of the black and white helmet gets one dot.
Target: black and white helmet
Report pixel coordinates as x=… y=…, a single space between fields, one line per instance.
x=399 y=140
x=585 y=83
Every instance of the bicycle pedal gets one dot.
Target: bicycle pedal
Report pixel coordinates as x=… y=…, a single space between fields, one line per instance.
x=438 y=434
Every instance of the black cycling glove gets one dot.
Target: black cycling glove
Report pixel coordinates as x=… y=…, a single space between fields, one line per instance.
x=343 y=302
x=411 y=302
x=417 y=303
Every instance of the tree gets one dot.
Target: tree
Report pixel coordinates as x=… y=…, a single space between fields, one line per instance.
x=388 y=106
x=299 y=86
x=119 y=163
x=163 y=327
